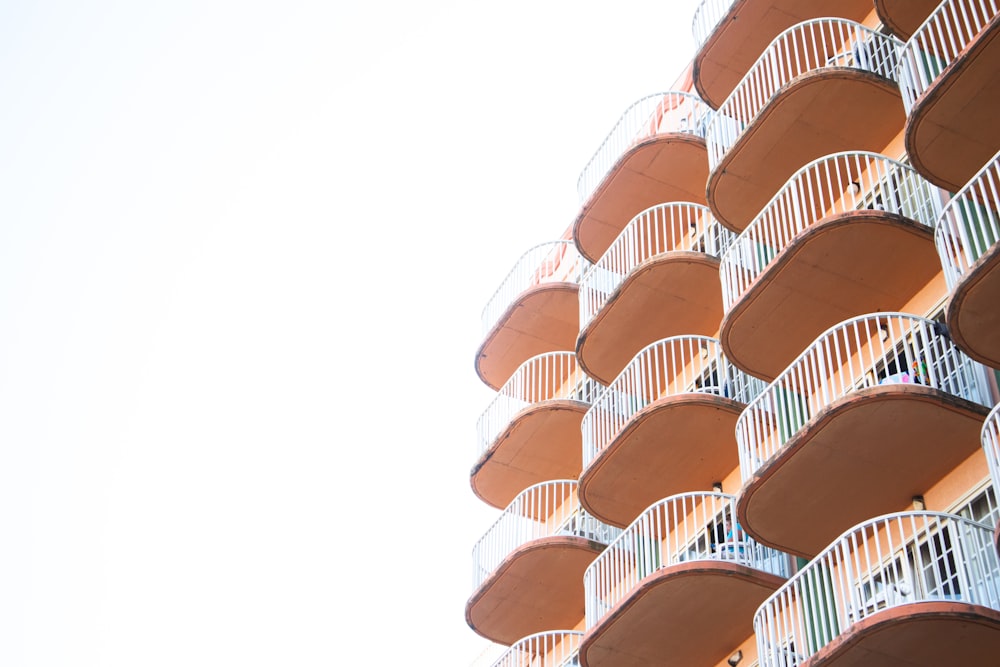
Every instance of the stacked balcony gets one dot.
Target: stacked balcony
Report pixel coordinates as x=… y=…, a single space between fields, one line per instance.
x=849 y=233
x=913 y=588
x=678 y=587
x=950 y=79
x=903 y=17
x=821 y=86
x=876 y=411
x=654 y=154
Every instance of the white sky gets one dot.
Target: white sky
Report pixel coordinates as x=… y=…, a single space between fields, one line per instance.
x=244 y=247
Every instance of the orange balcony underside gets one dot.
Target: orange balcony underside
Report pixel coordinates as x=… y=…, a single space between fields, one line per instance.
x=545 y=318
x=903 y=17
x=840 y=267
x=674 y=294
x=867 y=454
x=541 y=443
x=740 y=38
x=952 y=130
x=537 y=588
x=925 y=634
x=666 y=168
x=815 y=115
x=688 y=615
x=973 y=313
x=682 y=443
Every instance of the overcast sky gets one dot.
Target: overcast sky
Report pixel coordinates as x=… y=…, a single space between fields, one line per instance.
x=244 y=247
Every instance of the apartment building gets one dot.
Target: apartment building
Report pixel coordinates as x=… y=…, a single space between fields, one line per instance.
x=745 y=408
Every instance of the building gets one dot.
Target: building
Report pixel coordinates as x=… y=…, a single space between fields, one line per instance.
x=745 y=405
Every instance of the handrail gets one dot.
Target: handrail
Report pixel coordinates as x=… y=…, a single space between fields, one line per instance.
x=668 y=367
x=659 y=113
x=881 y=348
x=682 y=528
x=990 y=437
x=938 y=42
x=543 y=649
x=970 y=224
x=834 y=184
x=707 y=17
x=883 y=563
x=546 y=377
x=657 y=230
x=543 y=510
x=555 y=261
x=806 y=47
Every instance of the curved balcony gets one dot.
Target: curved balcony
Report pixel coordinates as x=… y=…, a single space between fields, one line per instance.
x=877 y=410
x=535 y=310
x=949 y=73
x=822 y=86
x=664 y=426
x=678 y=587
x=967 y=243
x=528 y=566
x=913 y=588
x=530 y=433
x=544 y=649
x=903 y=17
x=990 y=437
x=655 y=153
x=659 y=278
x=849 y=233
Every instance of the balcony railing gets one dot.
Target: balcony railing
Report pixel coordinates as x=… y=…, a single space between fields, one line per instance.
x=655 y=114
x=707 y=17
x=543 y=510
x=545 y=649
x=678 y=529
x=557 y=261
x=657 y=230
x=883 y=348
x=991 y=444
x=970 y=223
x=809 y=46
x=547 y=377
x=831 y=185
x=938 y=42
x=893 y=560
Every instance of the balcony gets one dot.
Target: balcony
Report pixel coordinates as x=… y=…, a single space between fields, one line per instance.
x=659 y=278
x=949 y=76
x=822 y=86
x=528 y=566
x=966 y=238
x=903 y=17
x=877 y=410
x=913 y=588
x=678 y=587
x=664 y=426
x=530 y=433
x=849 y=233
x=545 y=649
x=990 y=436
x=655 y=153
x=535 y=310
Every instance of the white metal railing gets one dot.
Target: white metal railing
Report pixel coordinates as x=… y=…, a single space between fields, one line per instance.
x=657 y=230
x=889 y=561
x=654 y=114
x=556 y=261
x=938 y=42
x=990 y=436
x=546 y=377
x=806 y=47
x=970 y=223
x=677 y=365
x=682 y=528
x=882 y=348
x=707 y=16
x=544 y=649
x=543 y=510
x=831 y=185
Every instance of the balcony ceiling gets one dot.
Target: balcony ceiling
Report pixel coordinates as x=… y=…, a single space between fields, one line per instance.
x=666 y=168
x=866 y=454
x=817 y=114
x=903 y=17
x=653 y=456
x=973 y=316
x=838 y=268
x=673 y=294
x=739 y=39
x=541 y=443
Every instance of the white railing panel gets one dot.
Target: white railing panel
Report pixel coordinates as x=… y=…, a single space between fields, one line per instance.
x=990 y=437
x=545 y=649
x=707 y=17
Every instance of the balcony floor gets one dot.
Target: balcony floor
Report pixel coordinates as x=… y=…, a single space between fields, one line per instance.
x=903 y=17
x=973 y=316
